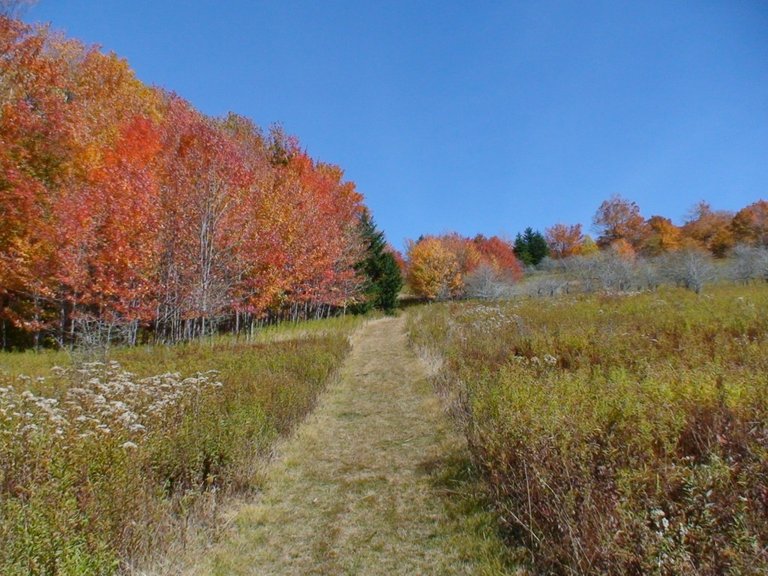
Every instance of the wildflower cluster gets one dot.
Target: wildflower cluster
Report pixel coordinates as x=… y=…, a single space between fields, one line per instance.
x=105 y=400
x=535 y=361
x=488 y=318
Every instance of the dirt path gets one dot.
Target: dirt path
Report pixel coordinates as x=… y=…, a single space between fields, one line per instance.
x=360 y=488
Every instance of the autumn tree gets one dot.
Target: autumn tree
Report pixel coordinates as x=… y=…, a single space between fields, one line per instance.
x=204 y=198
x=499 y=255
x=108 y=206
x=399 y=260
x=623 y=250
x=37 y=138
x=433 y=271
x=463 y=249
x=329 y=245
x=563 y=240
x=441 y=267
x=750 y=225
x=108 y=231
x=619 y=219
x=708 y=229
x=663 y=236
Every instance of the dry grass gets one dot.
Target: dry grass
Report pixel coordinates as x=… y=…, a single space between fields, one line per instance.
x=617 y=434
x=375 y=482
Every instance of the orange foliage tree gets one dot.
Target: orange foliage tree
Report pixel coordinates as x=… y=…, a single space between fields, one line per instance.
x=463 y=249
x=499 y=254
x=37 y=138
x=708 y=229
x=564 y=240
x=619 y=219
x=750 y=224
x=623 y=249
x=107 y=232
x=663 y=236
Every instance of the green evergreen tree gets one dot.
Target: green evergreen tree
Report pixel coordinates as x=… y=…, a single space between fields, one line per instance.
x=531 y=247
x=383 y=277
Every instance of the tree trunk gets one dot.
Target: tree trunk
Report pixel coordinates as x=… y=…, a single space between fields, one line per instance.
x=37 y=321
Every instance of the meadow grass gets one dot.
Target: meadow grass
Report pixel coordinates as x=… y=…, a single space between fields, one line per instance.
x=104 y=464
x=617 y=434
x=376 y=482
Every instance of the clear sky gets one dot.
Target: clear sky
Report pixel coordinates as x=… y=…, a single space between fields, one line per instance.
x=475 y=116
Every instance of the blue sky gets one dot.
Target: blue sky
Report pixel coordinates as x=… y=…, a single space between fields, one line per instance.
x=478 y=117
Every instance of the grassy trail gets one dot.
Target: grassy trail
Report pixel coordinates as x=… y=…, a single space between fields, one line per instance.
x=361 y=488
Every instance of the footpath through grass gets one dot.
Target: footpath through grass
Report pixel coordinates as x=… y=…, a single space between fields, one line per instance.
x=374 y=482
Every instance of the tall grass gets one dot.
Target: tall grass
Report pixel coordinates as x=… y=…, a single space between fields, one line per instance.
x=618 y=435
x=105 y=464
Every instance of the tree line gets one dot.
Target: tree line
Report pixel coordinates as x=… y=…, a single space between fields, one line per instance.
x=123 y=207
x=621 y=226
x=629 y=251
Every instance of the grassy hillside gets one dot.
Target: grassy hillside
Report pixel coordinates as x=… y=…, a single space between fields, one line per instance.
x=618 y=435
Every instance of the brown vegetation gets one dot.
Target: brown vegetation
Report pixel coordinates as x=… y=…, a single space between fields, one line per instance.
x=618 y=434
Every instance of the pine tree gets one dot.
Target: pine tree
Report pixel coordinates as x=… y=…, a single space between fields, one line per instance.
x=383 y=277
x=390 y=283
x=531 y=247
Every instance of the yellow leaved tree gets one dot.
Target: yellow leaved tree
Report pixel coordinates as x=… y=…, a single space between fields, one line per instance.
x=433 y=271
